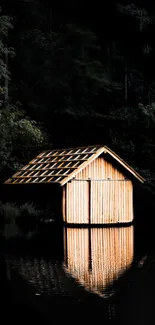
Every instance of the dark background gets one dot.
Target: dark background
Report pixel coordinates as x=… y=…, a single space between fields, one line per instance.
x=85 y=73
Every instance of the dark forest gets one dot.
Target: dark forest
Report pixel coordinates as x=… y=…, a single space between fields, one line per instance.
x=72 y=75
x=76 y=74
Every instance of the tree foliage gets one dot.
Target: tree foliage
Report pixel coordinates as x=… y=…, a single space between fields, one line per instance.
x=5 y=26
x=20 y=138
x=85 y=83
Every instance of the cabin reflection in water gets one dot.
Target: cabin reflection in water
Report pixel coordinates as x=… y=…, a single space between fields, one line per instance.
x=96 y=257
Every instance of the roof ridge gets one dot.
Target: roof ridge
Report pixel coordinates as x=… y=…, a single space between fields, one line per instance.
x=73 y=148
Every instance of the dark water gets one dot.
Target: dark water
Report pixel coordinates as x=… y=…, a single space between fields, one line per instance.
x=100 y=266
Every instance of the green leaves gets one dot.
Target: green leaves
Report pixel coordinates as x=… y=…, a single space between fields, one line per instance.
x=5 y=24
x=140 y=14
x=20 y=138
x=5 y=51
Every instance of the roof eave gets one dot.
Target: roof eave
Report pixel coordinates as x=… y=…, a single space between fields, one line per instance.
x=124 y=164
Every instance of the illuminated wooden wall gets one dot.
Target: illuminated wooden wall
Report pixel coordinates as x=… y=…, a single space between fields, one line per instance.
x=104 y=199
x=96 y=257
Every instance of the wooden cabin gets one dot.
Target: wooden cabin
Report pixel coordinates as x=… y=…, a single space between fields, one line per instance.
x=95 y=185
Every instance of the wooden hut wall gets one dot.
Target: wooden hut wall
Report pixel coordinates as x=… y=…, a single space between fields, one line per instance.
x=96 y=257
x=97 y=201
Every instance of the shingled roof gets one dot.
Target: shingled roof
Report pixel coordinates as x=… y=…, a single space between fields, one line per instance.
x=59 y=166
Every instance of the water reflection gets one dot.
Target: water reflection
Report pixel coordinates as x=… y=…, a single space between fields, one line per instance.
x=42 y=273
x=96 y=257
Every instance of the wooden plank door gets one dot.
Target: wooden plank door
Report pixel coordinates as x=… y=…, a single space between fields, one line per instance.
x=77 y=202
x=101 y=201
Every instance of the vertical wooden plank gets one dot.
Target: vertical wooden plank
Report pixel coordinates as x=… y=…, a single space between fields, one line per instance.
x=118 y=193
x=89 y=202
x=78 y=206
x=104 y=201
x=71 y=201
x=97 y=203
x=92 y=201
x=83 y=196
x=128 y=201
x=123 y=182
x=129 y=217
x=100 y=202
x=63 y=204
x=114 y=200
x=65 y=246
x=80 y=200
x=77 y=202
x=131 y=200
x=108 y=201
x=110 y=195
x=121 y=200
x=67 y=203
x=132 y=203
x=124 y=212
x=128 y=198
x=74 y=200
x=111 y=200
